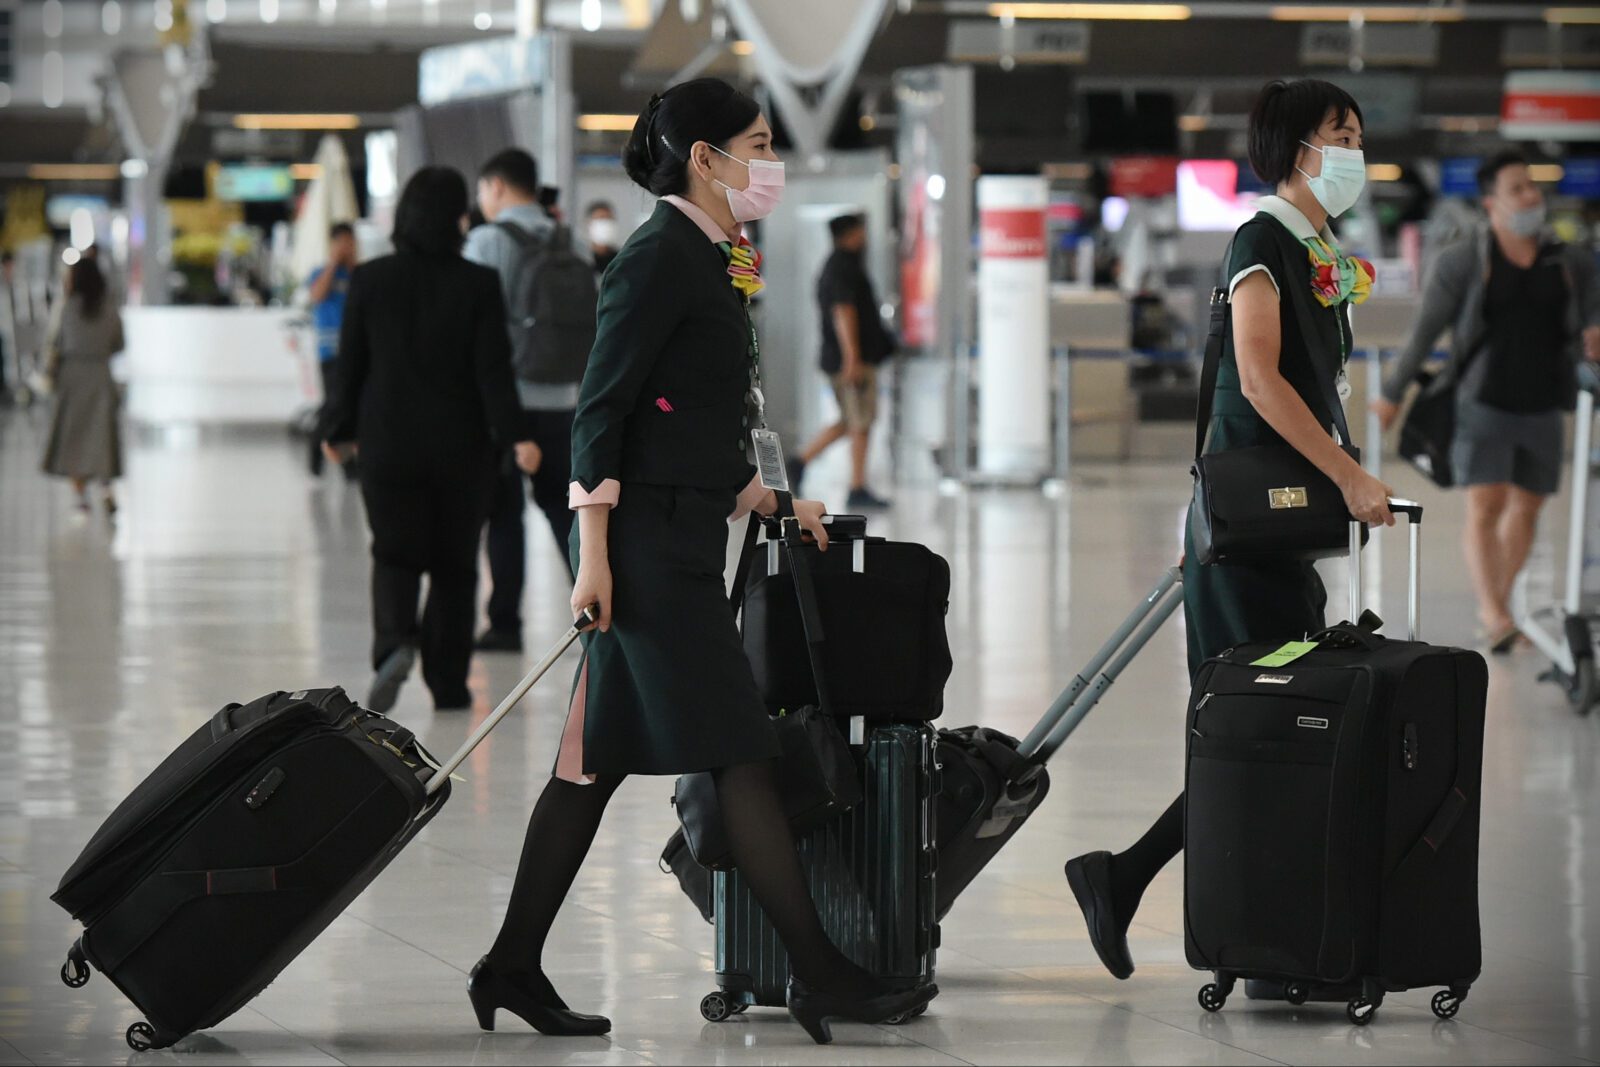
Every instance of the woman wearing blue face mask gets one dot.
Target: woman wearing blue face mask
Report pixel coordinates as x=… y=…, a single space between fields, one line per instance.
x=1291 y=286
x=659 y=462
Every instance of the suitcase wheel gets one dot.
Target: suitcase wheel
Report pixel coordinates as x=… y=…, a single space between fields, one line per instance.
x=1447 y=1002
x=74 y=973
x=715 y=1007
x=141 y=1037
x=901 y=1020
x=1360 y=1011
x=1212 y=998
x=1297 y=993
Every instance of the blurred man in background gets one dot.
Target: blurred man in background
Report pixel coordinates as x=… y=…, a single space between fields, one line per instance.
x=603 y=233
x=328 y=287
x=854 y=342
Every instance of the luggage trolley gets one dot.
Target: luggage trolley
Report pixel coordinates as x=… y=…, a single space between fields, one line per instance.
x=1569 y=632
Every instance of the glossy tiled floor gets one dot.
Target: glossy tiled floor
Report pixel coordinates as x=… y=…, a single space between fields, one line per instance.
x=229 y=574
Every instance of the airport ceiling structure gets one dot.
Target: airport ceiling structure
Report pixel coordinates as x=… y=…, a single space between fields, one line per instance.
x=1438 y=68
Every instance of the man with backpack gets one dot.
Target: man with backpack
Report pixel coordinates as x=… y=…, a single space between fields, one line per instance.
x=550 y=297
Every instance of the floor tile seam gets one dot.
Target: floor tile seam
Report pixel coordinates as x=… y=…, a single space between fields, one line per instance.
x=1214 y=1041
x=18 y=1052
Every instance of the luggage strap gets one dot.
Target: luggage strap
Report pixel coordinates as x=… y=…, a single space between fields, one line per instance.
x=1454 y=805
x=806 y=594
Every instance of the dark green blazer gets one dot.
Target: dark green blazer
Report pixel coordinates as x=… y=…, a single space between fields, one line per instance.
x=663 y=398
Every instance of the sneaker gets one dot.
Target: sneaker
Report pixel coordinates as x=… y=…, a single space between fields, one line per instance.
x=499 y=641
x=797 y=470
x=864 y=498
x=389 y=677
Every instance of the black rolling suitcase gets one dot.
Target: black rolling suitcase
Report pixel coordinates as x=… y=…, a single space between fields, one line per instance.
x=991 y=783
x=871 y=870
x=243 y=845
x=1331 y=822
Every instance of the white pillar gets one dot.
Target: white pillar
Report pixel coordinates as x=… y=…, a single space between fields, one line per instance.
x=1013 y=329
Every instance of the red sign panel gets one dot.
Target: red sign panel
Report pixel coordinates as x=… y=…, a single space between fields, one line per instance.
x=1013 y=233
x=1147 y=176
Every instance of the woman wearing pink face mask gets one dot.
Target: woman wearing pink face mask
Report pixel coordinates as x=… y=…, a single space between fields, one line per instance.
x=661 y=440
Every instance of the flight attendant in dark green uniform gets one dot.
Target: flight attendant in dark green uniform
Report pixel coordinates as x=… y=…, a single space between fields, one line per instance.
x=1305 y=137
x=659 y=465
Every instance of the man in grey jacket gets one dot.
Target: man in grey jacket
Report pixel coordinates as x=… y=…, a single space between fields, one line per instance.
x=1522 y=309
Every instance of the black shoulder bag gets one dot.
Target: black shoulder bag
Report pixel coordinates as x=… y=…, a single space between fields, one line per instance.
x=817 y=772
x=1267 y=502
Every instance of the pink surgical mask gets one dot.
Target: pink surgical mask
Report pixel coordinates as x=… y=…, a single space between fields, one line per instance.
x=760 y=198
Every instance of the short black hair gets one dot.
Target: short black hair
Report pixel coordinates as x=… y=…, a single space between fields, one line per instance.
x=516 y=168
x=844 y=225
x=599 y=205
x=340 y=229
x=1286 y=113
x=656 y=156
x=427 y=221
x=1489 y=170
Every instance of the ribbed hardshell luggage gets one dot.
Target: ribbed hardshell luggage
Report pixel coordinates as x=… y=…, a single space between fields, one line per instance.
x=871 y=870
x=871 y=873
x=243 y=845
x=1331 y=819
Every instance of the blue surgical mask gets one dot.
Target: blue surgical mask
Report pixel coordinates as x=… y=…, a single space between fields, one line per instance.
x=1344 y=175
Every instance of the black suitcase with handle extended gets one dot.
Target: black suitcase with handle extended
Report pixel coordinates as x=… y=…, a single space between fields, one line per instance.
x=243 y=845
x=1331 y=819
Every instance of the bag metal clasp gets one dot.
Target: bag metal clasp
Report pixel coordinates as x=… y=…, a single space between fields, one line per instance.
x=1291 y=496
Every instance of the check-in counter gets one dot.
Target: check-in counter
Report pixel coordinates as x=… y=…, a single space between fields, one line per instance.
x=217 y=365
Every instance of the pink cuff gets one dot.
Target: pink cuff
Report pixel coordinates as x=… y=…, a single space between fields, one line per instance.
x=607 y=492
x=749 y=497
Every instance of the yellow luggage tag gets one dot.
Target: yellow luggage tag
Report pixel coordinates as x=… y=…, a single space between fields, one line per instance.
x=1285 y=655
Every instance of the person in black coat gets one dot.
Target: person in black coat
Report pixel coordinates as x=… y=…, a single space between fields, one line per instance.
x=424 y=390
x=659 y=464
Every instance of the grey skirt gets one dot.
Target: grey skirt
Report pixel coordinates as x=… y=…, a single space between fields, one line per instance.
x=85 y=438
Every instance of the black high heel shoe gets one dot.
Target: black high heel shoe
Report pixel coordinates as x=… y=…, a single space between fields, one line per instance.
x=815 y=1009
x=489 y=989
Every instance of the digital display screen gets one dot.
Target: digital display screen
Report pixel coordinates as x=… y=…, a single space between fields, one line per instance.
x=252 y=181
x=1209 y=200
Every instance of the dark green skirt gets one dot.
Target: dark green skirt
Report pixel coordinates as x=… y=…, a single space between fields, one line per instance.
x=668 y=690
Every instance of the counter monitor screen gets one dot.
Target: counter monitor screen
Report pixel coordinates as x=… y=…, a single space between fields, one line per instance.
x=252 y=181
x=1209 y=200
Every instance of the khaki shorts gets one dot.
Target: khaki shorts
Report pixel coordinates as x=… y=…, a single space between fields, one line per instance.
x=858 y=402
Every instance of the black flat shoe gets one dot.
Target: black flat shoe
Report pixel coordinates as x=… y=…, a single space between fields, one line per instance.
x=541 y=1009
x=815 y=1009
x=1089 y=876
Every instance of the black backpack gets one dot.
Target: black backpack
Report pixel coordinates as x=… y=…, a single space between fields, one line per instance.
x=550 y=307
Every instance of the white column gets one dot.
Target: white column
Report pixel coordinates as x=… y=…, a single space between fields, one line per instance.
x=1013 y=329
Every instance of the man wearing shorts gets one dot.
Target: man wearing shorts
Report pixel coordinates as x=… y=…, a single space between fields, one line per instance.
x=1523 y=308
x=854 y=342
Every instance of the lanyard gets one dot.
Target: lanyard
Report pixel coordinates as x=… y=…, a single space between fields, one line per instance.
x=756 y=400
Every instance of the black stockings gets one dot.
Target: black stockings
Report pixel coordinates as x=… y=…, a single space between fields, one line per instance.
x=1132 y=871
x=563 y=826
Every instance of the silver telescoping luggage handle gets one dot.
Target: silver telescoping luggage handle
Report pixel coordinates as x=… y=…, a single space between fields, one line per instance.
x=1412 y=510
x=1090 y=684
x=591 y=616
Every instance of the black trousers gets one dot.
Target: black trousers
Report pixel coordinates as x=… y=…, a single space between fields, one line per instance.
x=427 y=523
x=506 y=541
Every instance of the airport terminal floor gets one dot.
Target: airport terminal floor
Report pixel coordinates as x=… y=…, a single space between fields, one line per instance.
x=229 y=574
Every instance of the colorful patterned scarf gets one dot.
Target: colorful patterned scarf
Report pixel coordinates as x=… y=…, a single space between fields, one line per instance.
x=1337 y=278
x=744 y=266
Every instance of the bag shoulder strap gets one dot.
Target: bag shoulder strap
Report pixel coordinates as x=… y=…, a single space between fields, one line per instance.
x=806 y=593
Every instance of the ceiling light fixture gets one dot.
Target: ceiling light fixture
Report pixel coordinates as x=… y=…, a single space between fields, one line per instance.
x=216 y=10
x=610 y=123
x=74 y=172
x=305 y=172
x=743 y=48
x=269 y=11
x=1352 y=13
x=1193 y=123
x=590 y=15
x=161 y=15
x=52 y=18
x=111 y=18
x=1584 y=16
x=1547 y=172
x=1117 y=12
x=1383 y=172
x=296 y=122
